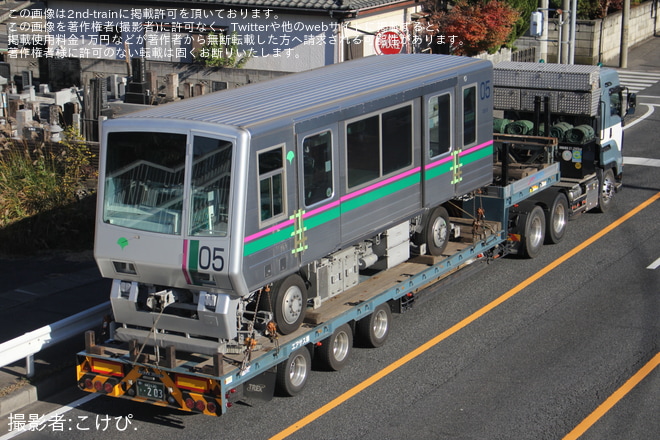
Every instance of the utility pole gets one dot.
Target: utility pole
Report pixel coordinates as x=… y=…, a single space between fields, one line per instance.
x=564 y=36
x=625 y=17
x=571 y=48
x=545 y=4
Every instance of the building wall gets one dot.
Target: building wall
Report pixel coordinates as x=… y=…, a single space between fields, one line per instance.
x=278 y=41
x=599 y=41
x=364 y=28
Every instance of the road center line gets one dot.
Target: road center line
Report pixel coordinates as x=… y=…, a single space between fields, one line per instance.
x=460 y=325
x=613 y=399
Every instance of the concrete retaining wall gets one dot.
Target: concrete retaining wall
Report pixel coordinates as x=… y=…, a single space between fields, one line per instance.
x=599 y=41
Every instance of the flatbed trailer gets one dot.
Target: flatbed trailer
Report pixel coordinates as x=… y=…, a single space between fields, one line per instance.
x=212 y=384
x=247 y=237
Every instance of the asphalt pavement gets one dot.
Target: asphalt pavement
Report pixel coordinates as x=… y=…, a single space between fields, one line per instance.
x=40 y=290
x=37 y=291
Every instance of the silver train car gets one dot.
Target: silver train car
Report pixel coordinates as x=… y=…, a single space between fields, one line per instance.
x=220 y=214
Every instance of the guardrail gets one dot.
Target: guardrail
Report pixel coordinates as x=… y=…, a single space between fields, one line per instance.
x=26 y=346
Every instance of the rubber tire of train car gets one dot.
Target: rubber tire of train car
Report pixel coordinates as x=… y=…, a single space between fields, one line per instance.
x=334 y=352
x=427 y=236
x=533 y=234
x=373 y=330
x=292 y=374
x=605 y=177
x=556 y=219
x=278 y=296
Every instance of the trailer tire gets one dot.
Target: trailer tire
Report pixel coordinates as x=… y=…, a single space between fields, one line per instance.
x=435 y=231
x=534 y=233
x=556 y=219
x=288 y=300
x=293 y=373
x=606 y=193
x=334 y=352
x=373 y=330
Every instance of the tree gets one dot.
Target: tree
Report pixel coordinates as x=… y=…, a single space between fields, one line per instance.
x=471 y=27
x=525 y=8
x=222 y=51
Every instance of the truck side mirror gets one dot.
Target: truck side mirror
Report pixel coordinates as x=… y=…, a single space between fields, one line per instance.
x=632 y=103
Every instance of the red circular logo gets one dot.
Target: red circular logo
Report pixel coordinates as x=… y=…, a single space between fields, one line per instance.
x=389 y=42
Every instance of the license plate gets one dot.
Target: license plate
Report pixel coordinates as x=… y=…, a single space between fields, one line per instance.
x=151 y=390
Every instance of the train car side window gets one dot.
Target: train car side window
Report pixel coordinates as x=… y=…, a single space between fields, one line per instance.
x=271 y=183
x=378 y=145
x=396 y=139
x=363 y=150
x=439 y=124
x=469 y=115
x=317 y=159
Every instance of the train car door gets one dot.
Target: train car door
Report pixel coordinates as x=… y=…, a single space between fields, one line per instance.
x=439 y=139
x=317 y=222
x=473 y=154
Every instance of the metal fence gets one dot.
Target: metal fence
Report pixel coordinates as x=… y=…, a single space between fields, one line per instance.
x=27 y=345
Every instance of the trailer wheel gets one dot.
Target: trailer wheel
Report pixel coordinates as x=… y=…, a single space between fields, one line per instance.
x=606 y=193
x=556 y=219
x=374 y=329
x=435 y=231
x=292 y=374
x=334 y=352
x=289 y=301
x=534 y=233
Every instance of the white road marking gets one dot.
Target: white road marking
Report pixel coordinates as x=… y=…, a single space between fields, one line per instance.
x=654 y=265
x=648 y=113
x=628 y=160
x=638 y=81
x=49 y=417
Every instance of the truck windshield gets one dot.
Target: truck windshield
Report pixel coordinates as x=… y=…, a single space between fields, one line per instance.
x=145 y=177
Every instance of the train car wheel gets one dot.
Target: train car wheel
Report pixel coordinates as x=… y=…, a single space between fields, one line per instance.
x=289 y=302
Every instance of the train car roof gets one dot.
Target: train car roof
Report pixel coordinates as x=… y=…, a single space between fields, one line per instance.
x=293 y=97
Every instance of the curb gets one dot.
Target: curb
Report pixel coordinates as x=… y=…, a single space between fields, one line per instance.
x=31 y=393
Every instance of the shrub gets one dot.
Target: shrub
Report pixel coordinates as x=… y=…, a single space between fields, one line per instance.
x=41 y=192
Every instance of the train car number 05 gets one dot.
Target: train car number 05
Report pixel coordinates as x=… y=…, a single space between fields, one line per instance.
x=211 y=258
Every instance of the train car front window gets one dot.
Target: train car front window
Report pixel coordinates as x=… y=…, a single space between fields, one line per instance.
x=144 y=179
x=211 y=175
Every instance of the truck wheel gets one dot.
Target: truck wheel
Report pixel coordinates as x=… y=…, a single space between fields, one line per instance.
x=292 y=374
x=556 y=220
x=435 y=231
x=289 y=301
x=374 y=329
x=606 y=193
x=334 y=351
x=534 y=232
